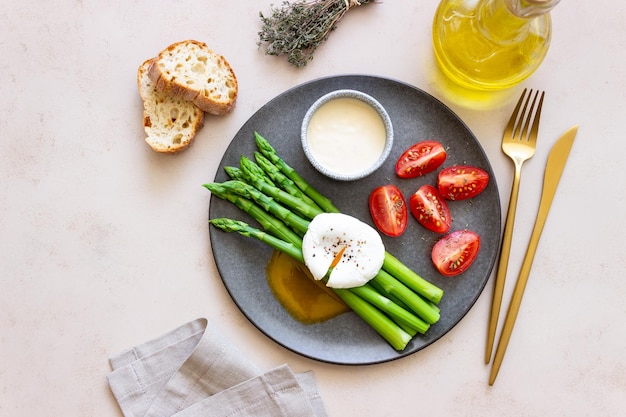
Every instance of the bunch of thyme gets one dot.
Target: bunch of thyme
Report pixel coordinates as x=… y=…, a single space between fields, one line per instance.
x=297 y=28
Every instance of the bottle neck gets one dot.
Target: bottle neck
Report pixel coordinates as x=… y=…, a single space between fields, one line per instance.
x=531 y=8
x=497 y=20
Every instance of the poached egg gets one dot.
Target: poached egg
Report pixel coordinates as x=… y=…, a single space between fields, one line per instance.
x=352 y=250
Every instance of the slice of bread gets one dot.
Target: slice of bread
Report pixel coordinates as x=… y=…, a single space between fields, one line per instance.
x=170 y=122
x=190 y=70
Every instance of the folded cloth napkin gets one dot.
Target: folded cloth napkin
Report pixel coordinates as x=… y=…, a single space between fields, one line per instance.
x=193 y=371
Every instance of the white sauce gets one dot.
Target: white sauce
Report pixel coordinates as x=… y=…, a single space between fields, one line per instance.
x=346 y=135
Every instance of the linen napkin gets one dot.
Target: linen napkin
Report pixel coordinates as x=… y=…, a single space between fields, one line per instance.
x=194 y=371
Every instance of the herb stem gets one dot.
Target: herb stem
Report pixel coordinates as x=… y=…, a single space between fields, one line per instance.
x=298 y=28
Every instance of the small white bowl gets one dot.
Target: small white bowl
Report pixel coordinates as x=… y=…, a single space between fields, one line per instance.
x=336 y=172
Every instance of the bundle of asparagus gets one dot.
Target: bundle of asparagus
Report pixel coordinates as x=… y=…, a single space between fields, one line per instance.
x=397 y=302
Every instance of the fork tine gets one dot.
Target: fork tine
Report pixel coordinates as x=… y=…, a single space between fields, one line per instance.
x=510 y=127
x=524 y=133
x=525 y=117
x=532 y=139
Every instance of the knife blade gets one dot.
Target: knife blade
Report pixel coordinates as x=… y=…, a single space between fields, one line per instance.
x=554 y=168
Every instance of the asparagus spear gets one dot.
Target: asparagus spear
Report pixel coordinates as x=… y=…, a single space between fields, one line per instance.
x=390 y=331
x=244 y=229
x=254 y=175
x=270 y=153
x=250 y=168
x=395 y=289
x=234 y=173
x=269 y=223
x=398 y=313
x=280 y=179
x=245 y=190
x=412 y=280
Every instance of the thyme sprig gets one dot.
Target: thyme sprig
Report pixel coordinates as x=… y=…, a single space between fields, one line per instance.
x=297 y=29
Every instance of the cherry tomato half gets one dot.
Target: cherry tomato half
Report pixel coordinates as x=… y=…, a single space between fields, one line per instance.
x=462 y=182
x=421 y=158
x=388 y=210
x=430 y=209
x=455 y=252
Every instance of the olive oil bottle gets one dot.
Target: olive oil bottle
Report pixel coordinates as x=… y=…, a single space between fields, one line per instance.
x=491 y=45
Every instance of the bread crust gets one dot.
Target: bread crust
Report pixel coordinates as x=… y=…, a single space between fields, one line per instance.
x=170 y=123
x=191 y=71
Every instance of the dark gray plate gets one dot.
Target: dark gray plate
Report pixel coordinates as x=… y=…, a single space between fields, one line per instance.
x=415 y=116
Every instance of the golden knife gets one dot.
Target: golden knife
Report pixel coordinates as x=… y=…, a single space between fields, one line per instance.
x=554 y=168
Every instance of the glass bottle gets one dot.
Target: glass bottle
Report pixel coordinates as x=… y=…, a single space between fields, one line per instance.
x=491 y=44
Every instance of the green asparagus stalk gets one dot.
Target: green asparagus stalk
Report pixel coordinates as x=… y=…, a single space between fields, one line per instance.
x=270 y=153
x=234 y=173
x=397 y=290
x=390 y=331
x=251 y=174
x=412 y=280
x=398 y=313
x=245 y=190
x=270 y=223
x=280 y=179
x=386 y=327
x=250 y=168
x=396 y=300
x=244 y=229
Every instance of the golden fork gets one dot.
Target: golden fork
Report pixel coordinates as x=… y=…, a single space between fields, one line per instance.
x=519 y=144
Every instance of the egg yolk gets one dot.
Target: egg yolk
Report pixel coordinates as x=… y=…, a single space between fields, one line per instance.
x=305 y=299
